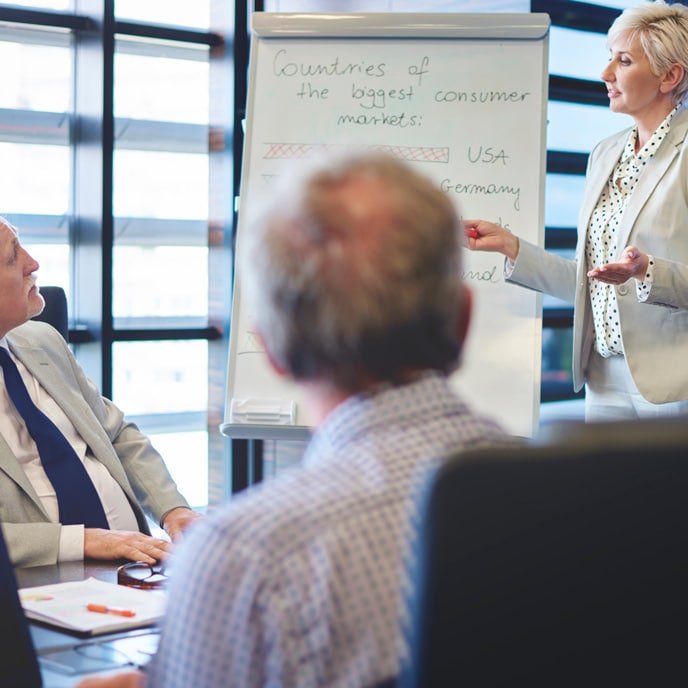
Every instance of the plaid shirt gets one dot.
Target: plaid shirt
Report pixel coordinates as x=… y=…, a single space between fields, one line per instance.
x=302 y=580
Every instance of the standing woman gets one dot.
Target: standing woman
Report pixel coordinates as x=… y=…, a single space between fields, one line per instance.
x=629 y=281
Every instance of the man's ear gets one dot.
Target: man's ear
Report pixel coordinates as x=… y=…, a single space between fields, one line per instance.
x=280 y=370
x=464 y=320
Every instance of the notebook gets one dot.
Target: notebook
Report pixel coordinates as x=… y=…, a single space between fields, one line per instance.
x=32 y=657
x=92 y=606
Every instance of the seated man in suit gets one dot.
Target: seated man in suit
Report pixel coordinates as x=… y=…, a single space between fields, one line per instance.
x=75 y=477
x=354 y=278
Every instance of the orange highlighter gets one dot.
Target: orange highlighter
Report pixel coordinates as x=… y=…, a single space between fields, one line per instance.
x=104 y=609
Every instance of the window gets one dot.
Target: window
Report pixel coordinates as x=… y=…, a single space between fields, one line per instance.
x=579 y=54
x=45 y=4
x=35 y=98
x=179 y=12
x=160 y=246
x=106 y=172
x=592 y=123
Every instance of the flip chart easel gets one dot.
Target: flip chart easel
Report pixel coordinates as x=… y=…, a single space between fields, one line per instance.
x=463 y=98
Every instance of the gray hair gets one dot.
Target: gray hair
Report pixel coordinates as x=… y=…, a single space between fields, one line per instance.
x=353 y=271
x=663 y=34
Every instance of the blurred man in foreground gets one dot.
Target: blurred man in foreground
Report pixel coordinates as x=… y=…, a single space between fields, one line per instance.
x=353 y=275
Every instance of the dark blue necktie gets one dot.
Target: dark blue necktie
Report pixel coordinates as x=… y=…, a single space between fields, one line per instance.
x=77 y=498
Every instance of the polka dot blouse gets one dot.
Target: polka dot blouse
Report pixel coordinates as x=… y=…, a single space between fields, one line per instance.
x=601 y=244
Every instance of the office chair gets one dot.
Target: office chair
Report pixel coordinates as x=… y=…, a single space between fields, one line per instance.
x=55 y=311
x=564 y=564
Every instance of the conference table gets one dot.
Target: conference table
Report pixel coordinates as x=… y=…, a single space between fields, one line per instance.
x=67 y=571
x=136 y=642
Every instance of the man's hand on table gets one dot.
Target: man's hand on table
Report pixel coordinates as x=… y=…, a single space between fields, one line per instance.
x=124 y=544
x=176 y=521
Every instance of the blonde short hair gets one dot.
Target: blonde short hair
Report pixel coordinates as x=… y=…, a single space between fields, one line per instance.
x=662 y=31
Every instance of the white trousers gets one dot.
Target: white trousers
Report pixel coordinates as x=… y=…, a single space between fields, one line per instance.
x=611 y=394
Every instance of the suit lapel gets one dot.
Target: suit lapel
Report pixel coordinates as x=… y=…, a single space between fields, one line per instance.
x=11 y=466
x=43 y=369
x=73 y=406
x=652 y=175
x=599 y=174
x=13 y=469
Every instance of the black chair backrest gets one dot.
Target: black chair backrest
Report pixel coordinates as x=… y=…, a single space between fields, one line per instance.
x=18 y=663
x=557 y=565
x=55 y=311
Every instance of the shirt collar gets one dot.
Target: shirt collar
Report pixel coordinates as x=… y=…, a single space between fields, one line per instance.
x=650 y=148
x=362 y=413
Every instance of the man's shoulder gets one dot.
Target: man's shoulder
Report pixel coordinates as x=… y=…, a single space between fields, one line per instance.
x=331 y=488
x=34 y=333
x=264 y=524
x=329 y=502
x=272 y=505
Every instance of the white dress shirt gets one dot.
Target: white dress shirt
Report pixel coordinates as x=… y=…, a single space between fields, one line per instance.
x=118 y=511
